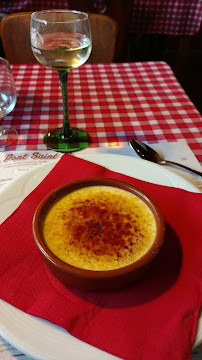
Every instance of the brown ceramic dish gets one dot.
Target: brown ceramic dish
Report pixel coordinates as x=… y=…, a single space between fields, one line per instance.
x=106 y=280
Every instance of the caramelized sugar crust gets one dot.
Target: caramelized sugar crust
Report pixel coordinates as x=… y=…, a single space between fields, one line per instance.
x=99 y=228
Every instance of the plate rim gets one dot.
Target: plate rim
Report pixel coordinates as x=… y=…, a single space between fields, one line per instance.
x=6 y=332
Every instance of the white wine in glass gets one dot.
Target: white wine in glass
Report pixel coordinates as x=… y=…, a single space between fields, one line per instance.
x=7 y=102
x=61 y=39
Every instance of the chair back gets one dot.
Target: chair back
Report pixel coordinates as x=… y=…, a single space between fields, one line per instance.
x=15 y=37
x=104 y=34
x=119 y=10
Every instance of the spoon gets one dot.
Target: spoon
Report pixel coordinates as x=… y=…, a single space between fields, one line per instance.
x=147 y=153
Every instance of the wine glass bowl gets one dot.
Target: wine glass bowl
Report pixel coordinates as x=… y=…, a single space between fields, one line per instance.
x=61 y=39
x=7 y=102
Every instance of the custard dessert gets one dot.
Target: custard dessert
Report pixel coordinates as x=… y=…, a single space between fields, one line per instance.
x=99 y=228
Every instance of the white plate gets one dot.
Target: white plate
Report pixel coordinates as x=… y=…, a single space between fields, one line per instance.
x=39 y=338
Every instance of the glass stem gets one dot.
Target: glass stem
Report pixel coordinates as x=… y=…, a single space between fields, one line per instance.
x=66 y=130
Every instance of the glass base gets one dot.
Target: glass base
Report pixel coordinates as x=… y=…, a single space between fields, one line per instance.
x=79 y=140
x=7 y=136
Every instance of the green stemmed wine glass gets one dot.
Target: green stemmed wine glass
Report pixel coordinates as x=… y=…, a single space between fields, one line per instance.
x=61 y=39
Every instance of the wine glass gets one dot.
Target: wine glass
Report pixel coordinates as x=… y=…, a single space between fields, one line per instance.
x=7 y=102
x=61 y=39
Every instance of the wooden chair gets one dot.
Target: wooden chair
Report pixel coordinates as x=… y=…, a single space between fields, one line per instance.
x=104 y=35
x=119 y=10
x=15 y=37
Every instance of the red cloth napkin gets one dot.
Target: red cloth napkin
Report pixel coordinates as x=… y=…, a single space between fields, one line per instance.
x=156 y=318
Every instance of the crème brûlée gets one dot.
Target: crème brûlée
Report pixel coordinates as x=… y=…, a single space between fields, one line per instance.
x=99 y=228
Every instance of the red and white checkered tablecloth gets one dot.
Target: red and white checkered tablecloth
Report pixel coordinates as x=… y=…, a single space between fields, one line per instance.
x=11 y=6
x=171 y=17
x=114 y=102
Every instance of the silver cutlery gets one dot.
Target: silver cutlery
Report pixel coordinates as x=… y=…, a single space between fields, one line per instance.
x=147 y=153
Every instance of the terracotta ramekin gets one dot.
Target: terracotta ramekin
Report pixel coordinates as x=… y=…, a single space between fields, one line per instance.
x=90 y=279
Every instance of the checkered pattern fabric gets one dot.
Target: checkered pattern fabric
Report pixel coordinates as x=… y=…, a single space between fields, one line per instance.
x=171 y=17
x=11 y=6
x=113 y=102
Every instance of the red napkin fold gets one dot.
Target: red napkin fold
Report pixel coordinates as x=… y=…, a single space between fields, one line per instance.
x=156 y=318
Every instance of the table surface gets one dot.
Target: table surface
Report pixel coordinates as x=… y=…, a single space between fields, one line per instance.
x=114 y=102
x=173 y=17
